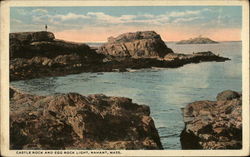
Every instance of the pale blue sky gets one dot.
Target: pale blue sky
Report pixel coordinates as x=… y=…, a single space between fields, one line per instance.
x=65 y=19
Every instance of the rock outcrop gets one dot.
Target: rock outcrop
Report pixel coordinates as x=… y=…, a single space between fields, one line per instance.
x=147 y=44
x=39 y=54
x=194 y=58
x=213 y=124
x=197 y=40
x=73 y=121
x=44 y=44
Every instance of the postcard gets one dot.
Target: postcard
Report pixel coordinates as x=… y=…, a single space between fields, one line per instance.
x=124 y=78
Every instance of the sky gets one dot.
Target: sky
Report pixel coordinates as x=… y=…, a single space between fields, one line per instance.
x=97 y=23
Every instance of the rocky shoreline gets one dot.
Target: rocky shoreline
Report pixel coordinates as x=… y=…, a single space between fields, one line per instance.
x=39 y=54
x=213 y=124
x=74 y=121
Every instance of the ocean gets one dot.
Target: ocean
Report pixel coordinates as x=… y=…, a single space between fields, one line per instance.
x=166 y=91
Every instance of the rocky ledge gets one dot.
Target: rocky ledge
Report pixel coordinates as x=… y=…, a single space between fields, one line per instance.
x=39 y=54
x=213 y=124
x=74 y=121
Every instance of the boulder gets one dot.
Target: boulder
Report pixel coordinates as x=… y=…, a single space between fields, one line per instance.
x=213 y=124
x=74 y=121
x=227 y=95
x=147 y=44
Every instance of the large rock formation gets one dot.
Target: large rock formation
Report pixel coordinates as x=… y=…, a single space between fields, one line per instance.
x=73 y=121
x=147 y=44
x=214 y=124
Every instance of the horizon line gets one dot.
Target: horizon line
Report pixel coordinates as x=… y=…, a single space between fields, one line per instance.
x=166 y=41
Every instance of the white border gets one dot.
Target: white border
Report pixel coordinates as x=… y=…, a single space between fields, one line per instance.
x=5 y=5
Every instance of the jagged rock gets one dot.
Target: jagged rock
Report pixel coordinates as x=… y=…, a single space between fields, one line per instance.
x=213 y=124
x=73 y=121
x=147 y=44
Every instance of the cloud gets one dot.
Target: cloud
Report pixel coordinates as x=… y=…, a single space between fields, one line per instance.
x=188 y=12
x=43 y=11
x=40 y=19
x=111 y=19
x=181 y=20
x=219 y=17
x=21 y=11
x=101 y=18
x=70 y=16
x=15 y=21
x=63 y=21
x=40 y=15
x=184 y=13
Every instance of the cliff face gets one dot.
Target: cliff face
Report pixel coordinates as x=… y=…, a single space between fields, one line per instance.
x=146 y=44
x=213 y=124
x=198 y=40
x=73 y=121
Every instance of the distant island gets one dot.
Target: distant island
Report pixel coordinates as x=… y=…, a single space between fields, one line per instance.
x=198 y=40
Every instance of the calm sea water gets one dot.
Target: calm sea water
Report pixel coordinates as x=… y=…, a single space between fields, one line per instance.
x=166 y=91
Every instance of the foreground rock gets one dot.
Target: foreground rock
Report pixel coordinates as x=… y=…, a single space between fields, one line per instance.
x=147 y=44
x=39 y=54
x=214 y=124
x=197 y=40
x=73 y=121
